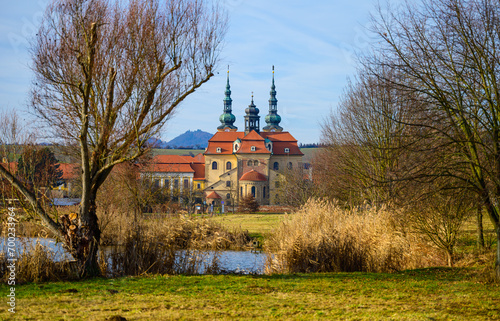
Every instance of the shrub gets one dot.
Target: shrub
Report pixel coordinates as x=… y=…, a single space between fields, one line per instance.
x=322 y=237
x=248 y=204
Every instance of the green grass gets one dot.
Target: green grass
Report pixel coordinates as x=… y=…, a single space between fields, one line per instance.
x=158 y=151
x=428 y=294
x=258 y=225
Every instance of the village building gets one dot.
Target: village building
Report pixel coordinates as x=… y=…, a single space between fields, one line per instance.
x=182 y=175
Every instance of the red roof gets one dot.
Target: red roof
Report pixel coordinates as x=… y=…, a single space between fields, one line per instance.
x=253 y=176
x=199 y=171
x=169 y=168
x=282 y=140
x=253 y=139
x=226 y=136
x=177 y=164
x=213 y=195
x=224 y=141
x=175 y=159
x=11 y=167
x=70 y=171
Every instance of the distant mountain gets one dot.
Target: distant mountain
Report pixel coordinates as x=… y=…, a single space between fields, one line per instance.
x=191 y=139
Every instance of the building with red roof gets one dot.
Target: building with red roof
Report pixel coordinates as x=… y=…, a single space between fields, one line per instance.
x=177 y=173
x=241 y=163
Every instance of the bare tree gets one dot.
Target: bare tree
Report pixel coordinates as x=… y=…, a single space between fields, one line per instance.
x=108 y=76
x=366 y=139
x=296 y=187
x=446 y=52
x=439 y=214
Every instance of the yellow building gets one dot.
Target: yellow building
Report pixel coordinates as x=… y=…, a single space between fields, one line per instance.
x=238 y=164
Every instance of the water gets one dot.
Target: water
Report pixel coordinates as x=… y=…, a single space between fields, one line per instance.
x=29 y=243
x=243 y=262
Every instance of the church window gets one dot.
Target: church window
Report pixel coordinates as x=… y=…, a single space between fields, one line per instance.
x=228 y=183
x=276 y=166
x=255 y=163
x=253 y=191
x=219 y=150
x=264 y=192
x=287 y=150
x=241 y=191
x=290 y=165
x=228 y=196
x=228 y=165
x=214 y=165
x=249 y=163
x=252 y=148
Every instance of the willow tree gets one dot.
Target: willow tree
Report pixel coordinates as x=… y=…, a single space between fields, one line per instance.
x=108 y=75
x=447 y=54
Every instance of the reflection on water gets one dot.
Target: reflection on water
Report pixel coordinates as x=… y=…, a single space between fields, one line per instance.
x=230 y=261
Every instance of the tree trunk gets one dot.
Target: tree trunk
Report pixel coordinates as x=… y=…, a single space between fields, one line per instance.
x=82 y=237
x=449 y=258
x=497 y=263
x=480 y=229
x=89 y=245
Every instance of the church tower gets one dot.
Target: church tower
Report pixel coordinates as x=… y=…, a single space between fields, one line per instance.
x=227 y=119
x=252 y=118
x=273 y=119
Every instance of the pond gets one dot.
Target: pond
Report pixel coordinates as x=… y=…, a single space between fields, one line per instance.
x=242 y=262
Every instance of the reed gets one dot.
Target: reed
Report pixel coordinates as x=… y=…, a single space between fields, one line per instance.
x=36 y=263
x=323 y=237
x=156 y=245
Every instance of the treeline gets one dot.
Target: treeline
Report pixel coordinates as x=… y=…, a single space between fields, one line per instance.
x=313 y=145
x=418 y=127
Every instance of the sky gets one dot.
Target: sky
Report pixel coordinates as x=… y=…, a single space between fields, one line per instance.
x=312 y=45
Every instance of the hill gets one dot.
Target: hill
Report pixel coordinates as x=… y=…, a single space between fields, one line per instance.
x=191 y=139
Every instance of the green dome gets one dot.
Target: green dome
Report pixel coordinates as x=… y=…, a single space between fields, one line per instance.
x=273 y=119
x=227 y=118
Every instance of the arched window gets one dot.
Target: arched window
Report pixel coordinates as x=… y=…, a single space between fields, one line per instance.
x=252 y=149
x=276 y=166
x=214 y=165
x=264 y=192
x=249 y=163
x=255 y=163
x=228 y=165
x=290 y=165
x=253 y=191
x=228 y=195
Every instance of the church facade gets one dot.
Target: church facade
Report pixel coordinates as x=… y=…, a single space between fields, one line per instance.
x=249 y=162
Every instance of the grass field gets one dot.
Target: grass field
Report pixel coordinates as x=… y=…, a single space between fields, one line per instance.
x=308 y=152
x=258 y=225
x=429 y=294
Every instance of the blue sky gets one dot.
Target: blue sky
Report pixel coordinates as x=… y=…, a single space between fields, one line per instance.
x=310 y=43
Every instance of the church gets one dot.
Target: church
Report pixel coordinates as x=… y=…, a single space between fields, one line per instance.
x=249 y=162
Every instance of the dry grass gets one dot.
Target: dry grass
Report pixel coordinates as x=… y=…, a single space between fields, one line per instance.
x=166 y=245
x=173 y=246
x=322 y=237
x=37 y=263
